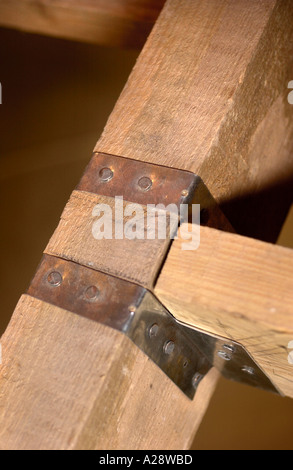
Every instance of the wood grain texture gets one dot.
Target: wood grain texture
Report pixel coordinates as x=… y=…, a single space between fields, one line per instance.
x=69 y=383
x=124 y=23
x=238 y=288
x=209 y=94
x=135 y=260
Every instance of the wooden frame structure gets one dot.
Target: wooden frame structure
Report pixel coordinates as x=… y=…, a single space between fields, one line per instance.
x=208 y=95
x=115 y=23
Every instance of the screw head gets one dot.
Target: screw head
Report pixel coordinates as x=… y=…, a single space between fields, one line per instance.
x=92 y=294
x=169 y=347
x=196 y=379
x=55 y=279
x=106 y=174
x=248 y=370
x=145 y=183
x=153 y=330
x=184 y=193
x=225 y=356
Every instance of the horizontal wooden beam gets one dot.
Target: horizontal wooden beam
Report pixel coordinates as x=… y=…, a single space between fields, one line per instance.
x=240 y=289
x=125 y=23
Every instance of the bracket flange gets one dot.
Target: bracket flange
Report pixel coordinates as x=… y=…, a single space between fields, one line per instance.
x=128 y=308
x=146 y=183
x=184 y=354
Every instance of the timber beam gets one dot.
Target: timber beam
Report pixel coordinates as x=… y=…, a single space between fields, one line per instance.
x=240 y=289
x=123 y=23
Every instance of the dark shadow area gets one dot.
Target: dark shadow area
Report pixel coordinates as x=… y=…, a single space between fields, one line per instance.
x=57 y=96
x=53 y=88
x=244 y=418
x=261 y=215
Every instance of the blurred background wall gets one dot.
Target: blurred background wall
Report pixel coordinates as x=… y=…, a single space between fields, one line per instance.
x=57 y=96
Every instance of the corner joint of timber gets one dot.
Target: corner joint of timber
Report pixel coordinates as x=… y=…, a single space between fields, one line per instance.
x=119 y=300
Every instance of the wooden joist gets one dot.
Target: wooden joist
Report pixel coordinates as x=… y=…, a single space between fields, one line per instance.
x=208 y=94
x=237 y=288
x=124 y=23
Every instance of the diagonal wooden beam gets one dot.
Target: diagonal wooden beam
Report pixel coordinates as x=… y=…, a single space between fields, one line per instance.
x=209 y=95
x=124 y=23
x=240 y=289
x=70 y=383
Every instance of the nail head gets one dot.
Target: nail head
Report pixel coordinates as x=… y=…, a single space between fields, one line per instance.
x=153 y=331
x=145 y=183
x=55 y=279
x=248 y=370
x=197 y=378
x=225 y=356
x=106 y=174
x=92 y=293
x=169 y=347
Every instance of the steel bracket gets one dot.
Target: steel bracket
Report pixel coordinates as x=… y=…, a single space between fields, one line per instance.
x=183 y=354
x=146 y=183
